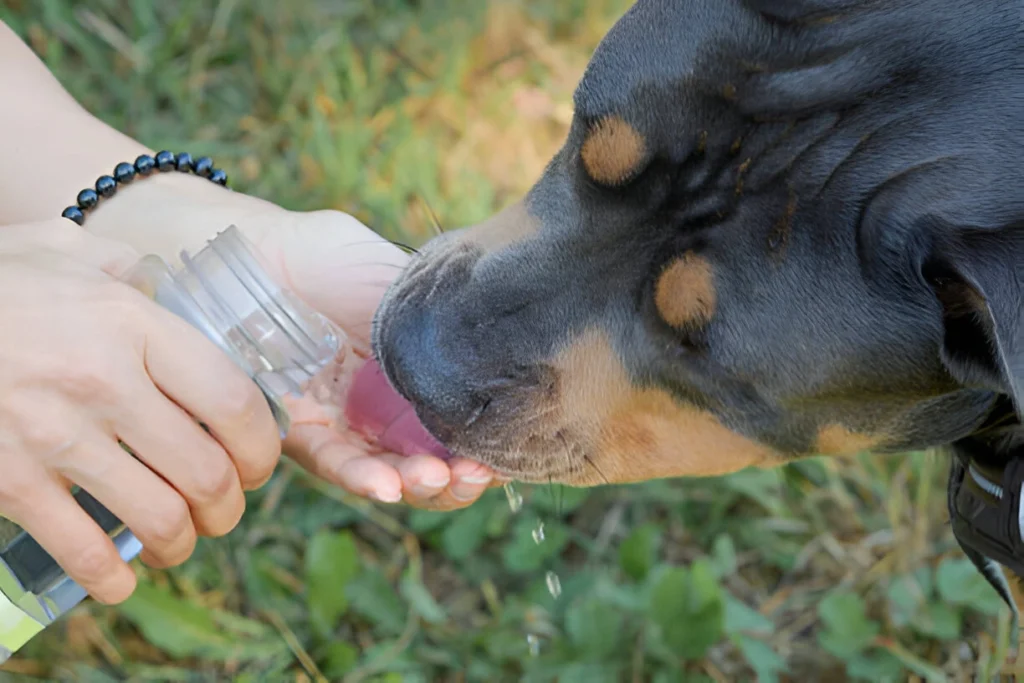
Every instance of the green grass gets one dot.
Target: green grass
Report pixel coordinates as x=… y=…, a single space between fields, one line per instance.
x=822 y=570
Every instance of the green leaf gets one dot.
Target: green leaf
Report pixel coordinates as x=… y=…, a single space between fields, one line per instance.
x=623 y=596
x=339 y=658
x=960 y=583
x=639 y=551
x=939 y=620
x=186 y=629
x=760 y=486
x=847 y=631
x=421 y=600
x=374 y=598
x=585 y=672
x=465 y=533
x=595 y=628
x=332 y=561
x=557 y=499
x=905 y=600
x=689 y=609
x=523 y=555
x=724 y=554
x=765 y=662
x=876 y=667
x=739 y=617
x=422 y=521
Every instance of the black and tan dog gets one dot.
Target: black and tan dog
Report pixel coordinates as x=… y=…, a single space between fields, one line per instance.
x=776 y=229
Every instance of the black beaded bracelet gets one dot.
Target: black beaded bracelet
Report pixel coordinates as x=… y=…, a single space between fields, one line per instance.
x=124 y=173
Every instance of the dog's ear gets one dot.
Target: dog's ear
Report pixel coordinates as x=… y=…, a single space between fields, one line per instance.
x=978 y=277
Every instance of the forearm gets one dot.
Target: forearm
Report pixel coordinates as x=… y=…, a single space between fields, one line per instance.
x=54 y=148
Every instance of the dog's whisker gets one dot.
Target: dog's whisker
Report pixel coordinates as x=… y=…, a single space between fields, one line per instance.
x=434 y=222
x=379 y=242
x=570 y=463
x=587 y=459
x=405 y=247
x=377 y=284
x=375 y=264
x=541 y=413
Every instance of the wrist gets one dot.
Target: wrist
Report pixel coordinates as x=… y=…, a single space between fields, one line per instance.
x=166 y=212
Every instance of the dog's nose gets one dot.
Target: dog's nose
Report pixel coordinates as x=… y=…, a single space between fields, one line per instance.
x=412 y=354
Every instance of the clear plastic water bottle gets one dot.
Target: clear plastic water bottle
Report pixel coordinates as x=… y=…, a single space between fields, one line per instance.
x=226 y=292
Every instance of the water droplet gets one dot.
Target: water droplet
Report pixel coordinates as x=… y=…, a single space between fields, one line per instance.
x=534 y=642
x=515 y=499
x=538 y=533
x=554 y=584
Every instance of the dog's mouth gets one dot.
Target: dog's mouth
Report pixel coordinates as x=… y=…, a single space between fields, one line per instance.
x=374 y=409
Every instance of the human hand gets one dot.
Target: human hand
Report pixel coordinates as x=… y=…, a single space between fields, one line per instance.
x=87 y=362
x=340 y=268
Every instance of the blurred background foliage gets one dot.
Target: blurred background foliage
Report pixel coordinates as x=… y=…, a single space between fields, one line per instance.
x=823 y=570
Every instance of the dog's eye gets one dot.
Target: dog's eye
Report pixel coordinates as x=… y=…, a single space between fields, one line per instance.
x=692 y=341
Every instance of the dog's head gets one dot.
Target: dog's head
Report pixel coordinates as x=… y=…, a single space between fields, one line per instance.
x=775 y=229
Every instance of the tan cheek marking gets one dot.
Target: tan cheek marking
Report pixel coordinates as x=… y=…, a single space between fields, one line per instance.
x=613 y=151
x=835 y=439
x=512 y=224
x=641 y=434
x=685 y=294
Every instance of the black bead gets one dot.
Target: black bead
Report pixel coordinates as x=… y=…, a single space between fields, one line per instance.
x=145 y=164
x=75 y=214
x=218 y=176
x=164 y=160
x=183 y=162
x=124 y=173
x=87 y=199
x=106 y=186
x=203 y=166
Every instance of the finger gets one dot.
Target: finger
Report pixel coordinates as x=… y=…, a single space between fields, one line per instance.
x=467 y=481
x=170 y=443
x=423 y=476
x=75 y=542
x=324 y=453
x=156 y=513
x=207 y=384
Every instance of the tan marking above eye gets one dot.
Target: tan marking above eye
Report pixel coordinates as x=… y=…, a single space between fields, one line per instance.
x=613 y=151
x=685 y=292
x=835 y=439
x=636 y=434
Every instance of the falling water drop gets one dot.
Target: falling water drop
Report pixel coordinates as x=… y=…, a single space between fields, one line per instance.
x=538 y=533
x=515 y=499
x=534 y=642
x=554 y=584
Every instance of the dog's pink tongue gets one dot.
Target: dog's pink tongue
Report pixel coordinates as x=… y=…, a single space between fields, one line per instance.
x=375 y=409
